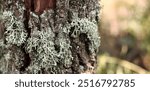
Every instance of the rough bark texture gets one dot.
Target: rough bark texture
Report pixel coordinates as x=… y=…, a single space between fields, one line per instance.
x=62 y=39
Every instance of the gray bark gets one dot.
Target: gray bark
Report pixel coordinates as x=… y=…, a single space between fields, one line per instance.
x=61 y=40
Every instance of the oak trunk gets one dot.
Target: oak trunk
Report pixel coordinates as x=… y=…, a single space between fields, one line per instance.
x=59 y=40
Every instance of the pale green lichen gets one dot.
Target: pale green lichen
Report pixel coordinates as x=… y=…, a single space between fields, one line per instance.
x=87 y=27
x=10 y=61
x=2 y=47
x=13 y=20
x=15 y=32
x=41 y=46
x=43 y=53
x=64 y=43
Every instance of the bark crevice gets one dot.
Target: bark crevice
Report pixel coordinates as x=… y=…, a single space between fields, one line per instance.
x=60 y=39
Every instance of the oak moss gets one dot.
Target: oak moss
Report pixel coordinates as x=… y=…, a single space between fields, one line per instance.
x=49 y=52
x=13 y=20
x=43 y=52
x=84 y=26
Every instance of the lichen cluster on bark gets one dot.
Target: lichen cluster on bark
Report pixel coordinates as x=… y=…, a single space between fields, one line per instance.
x=61 y=40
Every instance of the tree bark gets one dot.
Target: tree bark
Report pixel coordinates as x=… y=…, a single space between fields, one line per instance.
x=61 y=40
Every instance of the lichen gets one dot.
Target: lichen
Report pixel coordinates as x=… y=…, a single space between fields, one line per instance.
x=2 y=47
x=11 y=16
x=49 y=52
x=87 y=27
x=42 y=44
x=64 y=43
x=43 y=53
x=11 y=59
x=15 y=32
x=41 y=48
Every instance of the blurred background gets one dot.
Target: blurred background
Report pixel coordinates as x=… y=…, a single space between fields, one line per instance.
x=125 y=37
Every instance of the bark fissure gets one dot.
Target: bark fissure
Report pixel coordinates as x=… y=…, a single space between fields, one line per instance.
x=55 y=36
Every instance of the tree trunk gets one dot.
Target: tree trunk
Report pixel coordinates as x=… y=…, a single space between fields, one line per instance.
x=60 y=38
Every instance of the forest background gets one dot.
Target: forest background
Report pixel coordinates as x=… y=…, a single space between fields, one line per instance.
x=125 y=36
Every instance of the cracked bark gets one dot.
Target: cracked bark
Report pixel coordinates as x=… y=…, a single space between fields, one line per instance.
x=55 y=18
